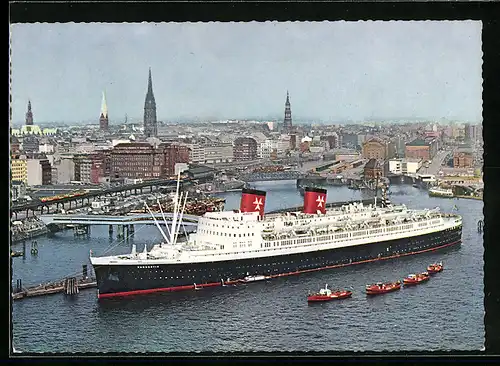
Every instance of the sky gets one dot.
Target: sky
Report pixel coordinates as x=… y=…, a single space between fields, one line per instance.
x=333 y=70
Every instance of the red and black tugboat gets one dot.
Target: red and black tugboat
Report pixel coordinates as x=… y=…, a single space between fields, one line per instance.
x=435 y=267
x=415 y=279
x=382 y=288
x=325 y=294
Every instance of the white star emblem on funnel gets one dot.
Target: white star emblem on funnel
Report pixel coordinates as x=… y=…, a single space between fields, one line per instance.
x=257 y=203
x=320 y=201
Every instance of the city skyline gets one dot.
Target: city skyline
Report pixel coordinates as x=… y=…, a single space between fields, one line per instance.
x=333 y=70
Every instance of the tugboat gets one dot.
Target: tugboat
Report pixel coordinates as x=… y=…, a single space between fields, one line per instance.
x=415 y=279
x=435 y=268
x=325 y=294
x=382 y=288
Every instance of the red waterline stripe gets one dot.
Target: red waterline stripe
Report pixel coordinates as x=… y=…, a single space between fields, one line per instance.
x=212 y=284
x=162 y=289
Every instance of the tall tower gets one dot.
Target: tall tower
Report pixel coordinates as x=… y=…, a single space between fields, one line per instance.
x=150 y=123
x=103 y=119
x=29 y=115
x=287 y=123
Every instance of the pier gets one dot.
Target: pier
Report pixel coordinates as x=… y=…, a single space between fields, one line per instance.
x=65 y=286
x=68 y=286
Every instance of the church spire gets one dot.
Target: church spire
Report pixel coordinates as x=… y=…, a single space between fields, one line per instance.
x=150 y=123
x=103 y=119
x=150 y=85
x=29 y=115
x=287 y=123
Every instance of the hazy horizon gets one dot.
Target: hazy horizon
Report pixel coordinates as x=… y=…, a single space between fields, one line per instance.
x=334 y=71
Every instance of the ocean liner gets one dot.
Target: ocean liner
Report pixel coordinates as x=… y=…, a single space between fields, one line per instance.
x=229 y=246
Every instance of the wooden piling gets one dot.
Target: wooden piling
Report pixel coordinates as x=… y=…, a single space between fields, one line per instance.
x=19 y=285
x=71 y=286
x=34 y=248
x=480 y=225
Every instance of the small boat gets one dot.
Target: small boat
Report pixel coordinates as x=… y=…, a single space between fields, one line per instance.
x=325 y=294
x=415 y=279
x=382 y=288
x=441 y=192
x=14 y=253
x=255 y=278
x=435 y=268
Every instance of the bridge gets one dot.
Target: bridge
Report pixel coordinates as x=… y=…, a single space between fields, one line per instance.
x=257 y=177
x=36 y=205
x=189 y=221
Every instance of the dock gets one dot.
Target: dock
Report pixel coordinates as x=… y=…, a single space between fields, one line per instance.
x=69 y=286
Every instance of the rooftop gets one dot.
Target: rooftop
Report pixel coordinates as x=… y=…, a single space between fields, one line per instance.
x=374 y=139
x=417 y=142
x=407 y=160
x=199 y=169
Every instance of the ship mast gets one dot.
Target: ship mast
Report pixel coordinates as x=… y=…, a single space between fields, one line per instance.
x=156 y=222
x=376 y=189
x=177 y=201
x=164 y=220
x=178 y=227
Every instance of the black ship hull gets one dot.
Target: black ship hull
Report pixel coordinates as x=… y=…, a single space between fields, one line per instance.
x=116 y=280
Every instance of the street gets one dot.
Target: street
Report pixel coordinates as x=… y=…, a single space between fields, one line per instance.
x=436 y=164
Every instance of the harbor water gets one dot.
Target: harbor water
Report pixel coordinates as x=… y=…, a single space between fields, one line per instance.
x=446 y=313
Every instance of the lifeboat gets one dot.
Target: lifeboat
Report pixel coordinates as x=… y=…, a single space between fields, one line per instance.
x=415 y=279
x=325 y=294
x=435 y=268
x=382 y=288
x=256 y=278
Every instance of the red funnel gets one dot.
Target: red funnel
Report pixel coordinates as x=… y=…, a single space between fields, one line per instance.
x=314 y=200
x=253 y=200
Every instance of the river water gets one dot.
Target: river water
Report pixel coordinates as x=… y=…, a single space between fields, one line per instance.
x=446 y=313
